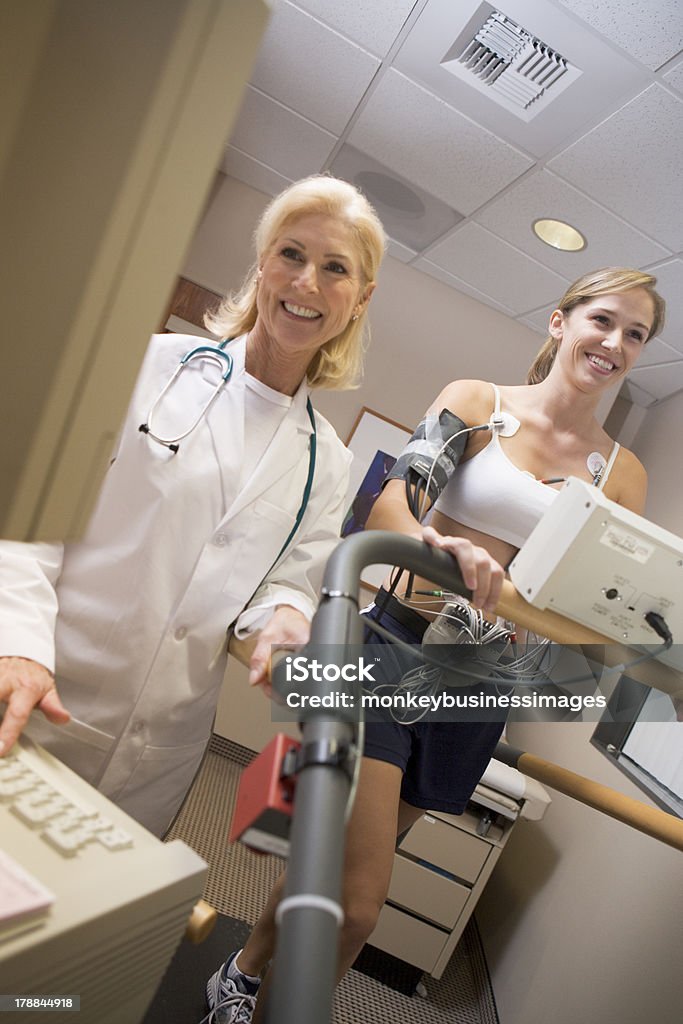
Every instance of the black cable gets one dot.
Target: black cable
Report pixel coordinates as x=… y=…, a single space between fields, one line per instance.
x=414 y=490
x=384 y=598
x=409 y=587
x=658 y=623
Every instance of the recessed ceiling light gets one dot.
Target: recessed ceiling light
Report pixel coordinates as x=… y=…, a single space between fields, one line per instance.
x=559 y=234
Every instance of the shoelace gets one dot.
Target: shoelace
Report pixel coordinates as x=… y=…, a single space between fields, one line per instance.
x=235 y=1001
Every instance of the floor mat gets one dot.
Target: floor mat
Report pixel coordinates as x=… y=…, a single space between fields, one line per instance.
x=180 y=997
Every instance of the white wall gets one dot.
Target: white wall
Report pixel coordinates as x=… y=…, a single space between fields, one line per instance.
x=657 y=445
x=581 y=919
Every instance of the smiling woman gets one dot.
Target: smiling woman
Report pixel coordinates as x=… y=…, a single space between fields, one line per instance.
x=591 y=288
x=351 y=254
x=310 y=287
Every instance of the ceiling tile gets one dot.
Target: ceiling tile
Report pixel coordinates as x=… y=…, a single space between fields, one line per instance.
x=279 y=138
x=657 y=352
x=410 y=215
x=607 y=77
x=659 y=381
x=311 y=68
x=670 y=286
x=374 y=25
x=611 y=242
x=455 y=282
x=400 y=252
x=319 y=79
x=497 y=269
x=674 y=77
x=436 y=147
x=538 y=321
x=251 y=172
x=631 y=163
x=650 y=30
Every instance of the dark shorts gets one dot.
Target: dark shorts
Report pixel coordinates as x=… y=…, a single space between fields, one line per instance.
x=442 y=762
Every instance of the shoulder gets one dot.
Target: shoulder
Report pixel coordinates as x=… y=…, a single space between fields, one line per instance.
x=169 y=348
x=160 y=359
x=471 y=400
x=170 y=342
x=629 y=481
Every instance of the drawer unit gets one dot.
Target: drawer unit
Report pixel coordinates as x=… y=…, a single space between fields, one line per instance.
x=440 y=869
x=423 y=890
x=451 y=849
x=408 y=938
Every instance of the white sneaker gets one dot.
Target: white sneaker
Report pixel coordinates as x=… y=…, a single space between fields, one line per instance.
x=227 y=1003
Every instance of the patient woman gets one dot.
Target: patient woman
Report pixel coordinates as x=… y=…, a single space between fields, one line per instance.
x=538 y=434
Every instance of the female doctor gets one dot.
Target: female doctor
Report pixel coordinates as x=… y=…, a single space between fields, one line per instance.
x=120 y=639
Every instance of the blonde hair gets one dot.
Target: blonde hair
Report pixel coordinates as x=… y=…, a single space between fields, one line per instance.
x=338 y=364
x=608 y=281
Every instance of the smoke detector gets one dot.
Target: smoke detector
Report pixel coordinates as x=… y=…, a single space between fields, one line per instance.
x=508 y=63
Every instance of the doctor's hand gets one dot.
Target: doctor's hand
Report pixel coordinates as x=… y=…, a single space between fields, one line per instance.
x=287 y=629
x=480 y=572
x=25 y=684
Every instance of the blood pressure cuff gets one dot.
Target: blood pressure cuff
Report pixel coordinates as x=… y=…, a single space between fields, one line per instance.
x=434 y=449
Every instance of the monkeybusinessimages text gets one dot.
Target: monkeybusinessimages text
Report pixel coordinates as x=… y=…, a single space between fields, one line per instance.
x=361 y=674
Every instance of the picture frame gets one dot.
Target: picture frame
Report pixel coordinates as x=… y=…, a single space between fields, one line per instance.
x=639 y=735
x=376 y=442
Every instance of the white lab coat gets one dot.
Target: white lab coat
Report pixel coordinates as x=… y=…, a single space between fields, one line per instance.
x=137 y=612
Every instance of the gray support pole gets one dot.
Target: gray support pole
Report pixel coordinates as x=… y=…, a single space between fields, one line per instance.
x=305 y=964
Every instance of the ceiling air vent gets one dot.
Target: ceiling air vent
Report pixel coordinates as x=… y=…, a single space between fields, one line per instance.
x=509 y=63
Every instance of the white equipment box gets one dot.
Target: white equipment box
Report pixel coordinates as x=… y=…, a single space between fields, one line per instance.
x=603 y=566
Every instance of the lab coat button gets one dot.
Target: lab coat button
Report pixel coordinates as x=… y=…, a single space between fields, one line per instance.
x=180 y=633
x=220 y=540
x=137 y=727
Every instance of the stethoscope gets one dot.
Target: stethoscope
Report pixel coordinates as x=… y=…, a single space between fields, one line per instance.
x=219 y=357
x=215 y=354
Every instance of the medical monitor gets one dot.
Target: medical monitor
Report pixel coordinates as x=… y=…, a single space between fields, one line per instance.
x=603 y=566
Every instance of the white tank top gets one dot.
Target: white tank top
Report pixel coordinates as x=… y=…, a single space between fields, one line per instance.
x=489 y=493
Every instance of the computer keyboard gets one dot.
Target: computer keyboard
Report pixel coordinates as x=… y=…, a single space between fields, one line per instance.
x=67 y=822
x=91 y=904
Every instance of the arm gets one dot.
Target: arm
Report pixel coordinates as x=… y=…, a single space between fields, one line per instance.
x=288 y=628
x=283 y=606
x=469 y=401
x=481 y=574
x=28 y=604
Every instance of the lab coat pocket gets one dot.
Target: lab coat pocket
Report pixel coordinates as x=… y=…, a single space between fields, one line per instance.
x=263 y=529
x=82 y=747
x=159 y=782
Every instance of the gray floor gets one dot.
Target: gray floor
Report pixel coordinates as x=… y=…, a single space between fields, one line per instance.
x=240 y=880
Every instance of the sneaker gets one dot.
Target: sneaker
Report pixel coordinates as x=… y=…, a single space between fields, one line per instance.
x=230 y=1001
